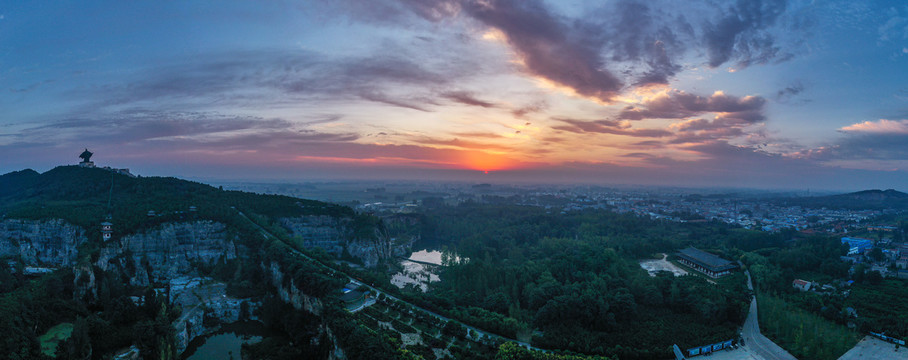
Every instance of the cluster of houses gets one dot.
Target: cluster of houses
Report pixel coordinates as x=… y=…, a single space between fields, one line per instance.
x=894 y=261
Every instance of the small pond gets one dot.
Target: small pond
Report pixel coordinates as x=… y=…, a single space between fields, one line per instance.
x=225 y=344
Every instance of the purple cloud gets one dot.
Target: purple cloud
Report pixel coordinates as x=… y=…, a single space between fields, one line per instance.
x=607 y=127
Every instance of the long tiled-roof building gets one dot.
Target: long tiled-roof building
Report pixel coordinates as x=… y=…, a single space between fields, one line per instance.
x=702 y=261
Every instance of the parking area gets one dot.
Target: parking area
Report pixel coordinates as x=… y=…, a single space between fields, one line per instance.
x=872 y=348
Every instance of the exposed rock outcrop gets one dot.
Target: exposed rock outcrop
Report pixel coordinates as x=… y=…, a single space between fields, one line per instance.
x=290 y=293
x=51 y=243
x=380 y=248
x=337 y=234
x=85 y=286
x=326 y=232
x=167 y=252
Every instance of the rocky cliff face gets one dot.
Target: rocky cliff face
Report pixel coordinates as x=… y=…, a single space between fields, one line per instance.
x=291 y=293
x=326 y=232
x=51 y=243
x=336 y=235
x=380 y=248
x=167 y=252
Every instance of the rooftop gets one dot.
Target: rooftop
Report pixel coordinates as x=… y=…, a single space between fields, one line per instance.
x=351 y=296
x=705 y=258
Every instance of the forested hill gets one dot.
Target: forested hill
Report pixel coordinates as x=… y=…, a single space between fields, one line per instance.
x=80 y=196
x=867 y=199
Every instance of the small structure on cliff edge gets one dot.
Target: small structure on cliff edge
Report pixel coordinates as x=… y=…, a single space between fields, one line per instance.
x=86 y=159
x=107 y=229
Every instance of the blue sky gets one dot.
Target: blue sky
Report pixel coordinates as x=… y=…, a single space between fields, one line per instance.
x=772 y=94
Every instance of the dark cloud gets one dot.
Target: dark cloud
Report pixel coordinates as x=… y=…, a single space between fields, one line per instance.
x=464 y=144
x=433 y=10
x=467 y=98
x=861 y=146
x=708 y=133
x=484 y=135
x=637 y=34
x=535 y=107
x=139 y=125
x=546 y=46
x=324 y=119
x=678 y=104
x=740 y=34
x=784 y=95
x=644 y=41
x=380 y=97
x=607 y=127
x=266 y=78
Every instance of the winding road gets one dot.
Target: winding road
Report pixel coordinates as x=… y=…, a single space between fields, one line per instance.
x=753 y=339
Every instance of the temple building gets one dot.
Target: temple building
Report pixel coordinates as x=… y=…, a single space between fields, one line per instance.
x=87 y=163
x=704 y=262
x=86 y=159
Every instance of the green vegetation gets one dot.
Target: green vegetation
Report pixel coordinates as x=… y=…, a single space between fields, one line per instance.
x=80 y=196
x=804 y=334
x=33 y=309
x=567 y=281
x=110 y=321
x=881 y=307
x=99 y=329
x=512 y=351
x=574 y=277
x=54 y=336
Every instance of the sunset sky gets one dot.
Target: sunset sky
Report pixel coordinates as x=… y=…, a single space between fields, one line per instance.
x=767 y=94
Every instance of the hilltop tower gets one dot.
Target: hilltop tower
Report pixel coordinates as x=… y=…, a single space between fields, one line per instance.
x=106 y=229
x=86 y=159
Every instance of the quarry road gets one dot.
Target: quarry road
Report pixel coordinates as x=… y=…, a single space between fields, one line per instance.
x=753 y=339
x=482 y=333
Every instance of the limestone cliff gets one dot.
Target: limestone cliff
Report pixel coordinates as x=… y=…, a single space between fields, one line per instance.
x=167 y=252
x=336 y=235
x=326 y=232
x=51 y=243
x=290 y=293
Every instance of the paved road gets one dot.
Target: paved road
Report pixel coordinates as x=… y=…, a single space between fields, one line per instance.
x=753 y=339
x=377 y=291
x=872 y=348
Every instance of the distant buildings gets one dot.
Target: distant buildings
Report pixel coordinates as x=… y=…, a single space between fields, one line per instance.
x=704 y=262
x=881 y=228
x=857 y=245
x=802 y=285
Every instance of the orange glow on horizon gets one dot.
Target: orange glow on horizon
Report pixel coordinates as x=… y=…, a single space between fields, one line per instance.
x=485 y=162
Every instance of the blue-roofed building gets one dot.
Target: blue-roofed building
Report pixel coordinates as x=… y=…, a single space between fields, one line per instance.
x=857 y=245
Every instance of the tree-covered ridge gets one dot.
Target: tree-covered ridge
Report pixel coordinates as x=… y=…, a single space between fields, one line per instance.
x=574 y=280
x=861 y=200
x=80 y=196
